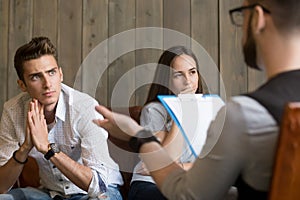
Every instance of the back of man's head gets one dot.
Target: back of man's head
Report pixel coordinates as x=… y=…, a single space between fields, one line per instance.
x=36 y=48
x=285 y=13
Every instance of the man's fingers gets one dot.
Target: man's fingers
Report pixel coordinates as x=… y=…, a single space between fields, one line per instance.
x=29 y=117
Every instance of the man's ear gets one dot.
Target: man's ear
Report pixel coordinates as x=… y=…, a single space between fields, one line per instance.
x=259 y=20
x=22 y=85
x=61 y=74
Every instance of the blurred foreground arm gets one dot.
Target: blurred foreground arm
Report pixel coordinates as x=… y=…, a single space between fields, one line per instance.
x=123 y=127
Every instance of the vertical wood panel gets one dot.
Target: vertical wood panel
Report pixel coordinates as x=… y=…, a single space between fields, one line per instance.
x=20 y=32
x=121 y=18
x=148 y=14
x=177 y=16
x=205 y=30
x=45 y=19
x=4 y=13
x=77 y=26
x=69 y=40
x=95 y=31
x=232 y=66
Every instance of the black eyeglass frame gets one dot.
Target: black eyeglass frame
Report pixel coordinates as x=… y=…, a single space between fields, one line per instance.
x=240 y=9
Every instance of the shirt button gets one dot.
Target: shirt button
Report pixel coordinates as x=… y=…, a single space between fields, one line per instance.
x=67 y=187
x=61 y=179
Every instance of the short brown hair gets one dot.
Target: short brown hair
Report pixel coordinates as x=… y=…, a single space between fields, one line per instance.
x=285 y=13
x=36 y=48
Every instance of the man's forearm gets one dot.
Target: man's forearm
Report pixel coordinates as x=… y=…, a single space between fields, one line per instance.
x=10 y=172
x=78 y=174
x=163 y=165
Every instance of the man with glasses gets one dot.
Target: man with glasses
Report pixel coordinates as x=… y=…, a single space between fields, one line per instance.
x=241 y=151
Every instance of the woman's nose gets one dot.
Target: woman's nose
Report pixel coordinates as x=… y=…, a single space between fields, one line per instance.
x=187 y=79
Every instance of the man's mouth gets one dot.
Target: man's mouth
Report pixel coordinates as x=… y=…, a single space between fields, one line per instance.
x=48 y=94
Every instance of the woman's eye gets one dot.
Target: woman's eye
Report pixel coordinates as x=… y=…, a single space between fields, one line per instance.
x=177 y=75
x=193 y=72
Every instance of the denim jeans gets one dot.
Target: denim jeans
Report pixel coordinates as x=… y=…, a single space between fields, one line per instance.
x=29 y=193
x=142 y=190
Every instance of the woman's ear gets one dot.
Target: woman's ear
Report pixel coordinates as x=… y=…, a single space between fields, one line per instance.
x=259 y=20
x=22 y=85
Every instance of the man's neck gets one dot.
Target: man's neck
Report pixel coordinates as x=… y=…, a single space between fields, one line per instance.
x=49 y=112
x=49 y=116
x=282 y=56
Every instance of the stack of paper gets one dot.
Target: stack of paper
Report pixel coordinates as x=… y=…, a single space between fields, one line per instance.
x=193 y=114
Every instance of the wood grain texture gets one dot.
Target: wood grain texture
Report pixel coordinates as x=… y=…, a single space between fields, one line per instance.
x=148 y=14
x=76 y=27
x=45 y=19
x=20 y=32
x=121 y=58
x=232 y=66
x=95 y=50
x=205 y=33
x=4 y=16
x=69 y=38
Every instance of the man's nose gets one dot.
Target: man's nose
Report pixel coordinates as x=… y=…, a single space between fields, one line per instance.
x=47 y=82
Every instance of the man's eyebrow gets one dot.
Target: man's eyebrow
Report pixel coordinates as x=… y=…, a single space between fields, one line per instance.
x=54 y=68
x=34 y=74
x=37 y=73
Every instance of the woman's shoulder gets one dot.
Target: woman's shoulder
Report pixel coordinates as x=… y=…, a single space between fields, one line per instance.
x=156 y=105
x=153 y=108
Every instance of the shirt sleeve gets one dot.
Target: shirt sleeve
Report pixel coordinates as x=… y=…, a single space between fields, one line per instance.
x=214 y=173
x=8 y=138
x=154 y=117
x=94 y=149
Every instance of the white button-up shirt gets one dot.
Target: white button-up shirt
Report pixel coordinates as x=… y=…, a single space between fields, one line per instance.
x=74 y=133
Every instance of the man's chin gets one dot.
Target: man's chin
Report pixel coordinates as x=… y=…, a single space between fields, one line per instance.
x=48 y=103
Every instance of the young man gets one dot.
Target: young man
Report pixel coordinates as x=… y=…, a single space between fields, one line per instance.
x=53 y=123
x=240 y=151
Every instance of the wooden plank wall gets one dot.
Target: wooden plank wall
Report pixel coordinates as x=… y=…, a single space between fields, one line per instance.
x=106 y=29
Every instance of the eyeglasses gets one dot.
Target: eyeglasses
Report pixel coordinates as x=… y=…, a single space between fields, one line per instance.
x=237 y=16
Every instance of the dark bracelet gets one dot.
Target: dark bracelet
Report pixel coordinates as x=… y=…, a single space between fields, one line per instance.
x=142 y=137
x=14 y=157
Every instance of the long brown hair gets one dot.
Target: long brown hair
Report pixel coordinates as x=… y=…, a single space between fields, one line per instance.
x=160 y=84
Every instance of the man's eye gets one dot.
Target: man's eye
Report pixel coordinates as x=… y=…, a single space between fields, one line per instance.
x=35 y=77
x=51 y=73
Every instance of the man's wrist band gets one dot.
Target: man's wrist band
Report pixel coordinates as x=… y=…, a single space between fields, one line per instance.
x=20 y=162
x=142 y=137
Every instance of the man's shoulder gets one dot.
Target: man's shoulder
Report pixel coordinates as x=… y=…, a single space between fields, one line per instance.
x=252 y=113
x=19 y=100
x=77 y=98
